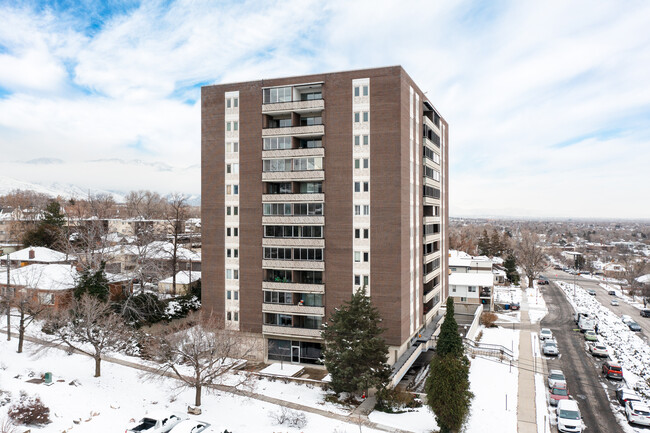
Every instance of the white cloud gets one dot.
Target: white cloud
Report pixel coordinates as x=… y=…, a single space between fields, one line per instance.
x=514 y=79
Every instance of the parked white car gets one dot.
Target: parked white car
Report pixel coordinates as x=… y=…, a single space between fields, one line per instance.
x=614 y=302
x=568 y=416
x=637 y=413
x=556 y=377
x=545 y=334
x=190 y=426
x=549 y=348
x=597 y=349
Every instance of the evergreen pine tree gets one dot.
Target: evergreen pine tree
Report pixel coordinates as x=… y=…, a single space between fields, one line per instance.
x=49 y=231
x=447 y=385
x=94 y=283
x=449 y=341
x=496 y=246
x=448 y=393
x=355 y=354
x=52 y=215
x=484 y=247
x=510 y=264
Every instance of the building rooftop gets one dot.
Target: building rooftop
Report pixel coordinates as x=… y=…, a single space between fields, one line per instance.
x=483 y=279
x=41 y=255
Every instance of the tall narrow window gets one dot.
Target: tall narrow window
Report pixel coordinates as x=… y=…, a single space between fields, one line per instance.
x=356 y=90
x=365 y=90
x=235 y=102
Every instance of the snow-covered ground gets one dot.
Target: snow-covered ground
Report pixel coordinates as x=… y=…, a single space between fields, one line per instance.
x=106 y=404
x=492 y=382
x=536 y=304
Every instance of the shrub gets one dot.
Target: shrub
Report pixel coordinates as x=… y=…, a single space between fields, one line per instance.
x=289 y=417
x=29 y=411
x=488 y=319
x=395 y=401
x=479 y=336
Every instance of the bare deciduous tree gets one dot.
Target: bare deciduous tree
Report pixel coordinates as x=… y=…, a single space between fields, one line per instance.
x=202 y=355
x=90 y=322
x=145 y=204
x=530 y=255
x=27 y=308
x=176 y=215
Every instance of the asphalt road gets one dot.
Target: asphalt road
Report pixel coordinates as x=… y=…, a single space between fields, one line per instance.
x=581 y=369
x=605 y=299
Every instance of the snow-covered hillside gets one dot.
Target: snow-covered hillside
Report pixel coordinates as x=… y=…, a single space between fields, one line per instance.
x=55 y=189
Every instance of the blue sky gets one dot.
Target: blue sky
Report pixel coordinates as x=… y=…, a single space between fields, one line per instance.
x=548 y=102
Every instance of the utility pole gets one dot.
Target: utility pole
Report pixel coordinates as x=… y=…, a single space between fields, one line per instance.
x=8 y=299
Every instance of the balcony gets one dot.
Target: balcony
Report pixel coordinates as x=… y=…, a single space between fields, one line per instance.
x=294 y=131
x=431 y=125
x=270 y=198
x=293 y=287
x=298 y=265
x=293 y=106
x=269 y=176
x=293 y=309
x=287 y=331
x=293 y=152
x=293 y=242
x=485 y=293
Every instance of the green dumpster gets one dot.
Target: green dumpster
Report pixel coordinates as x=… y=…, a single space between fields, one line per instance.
x=48 y=377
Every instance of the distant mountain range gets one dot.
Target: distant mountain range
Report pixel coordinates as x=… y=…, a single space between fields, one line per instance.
x=68 y=191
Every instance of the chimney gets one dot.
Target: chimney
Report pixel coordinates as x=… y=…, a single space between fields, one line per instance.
x=32 y=254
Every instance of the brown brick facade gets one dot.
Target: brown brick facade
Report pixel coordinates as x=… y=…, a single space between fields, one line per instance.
x=389 y=195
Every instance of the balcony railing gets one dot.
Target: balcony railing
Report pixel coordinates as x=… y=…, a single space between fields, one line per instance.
x=278 y=107
x=294 y=130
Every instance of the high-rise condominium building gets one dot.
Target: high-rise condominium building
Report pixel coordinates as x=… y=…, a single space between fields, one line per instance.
x=314 y=187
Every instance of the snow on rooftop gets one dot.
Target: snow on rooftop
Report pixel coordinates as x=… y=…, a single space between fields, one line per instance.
x=41 y=254
x=483 y=279
x=283 y=369
x=155 y=250
x=43 y=277
x=644 y=278
x=183 y=277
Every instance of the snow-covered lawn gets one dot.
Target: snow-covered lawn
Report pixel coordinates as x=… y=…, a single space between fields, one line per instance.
x=106 y=404
x=493 y=383
x=420 y=420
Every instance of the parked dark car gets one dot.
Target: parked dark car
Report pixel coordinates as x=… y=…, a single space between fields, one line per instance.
x=634 y=326
x=645 y=312
x=612 y=370
x=624 y=394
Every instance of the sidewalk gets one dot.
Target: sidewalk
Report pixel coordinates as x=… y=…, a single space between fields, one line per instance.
x=526 y=406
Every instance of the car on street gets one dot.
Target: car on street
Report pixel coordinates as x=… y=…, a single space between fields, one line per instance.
x=612 y=370
x=623 y=395
x=542 y=282
x=645 y=312
x=549 y=348
x=557 y=393
x=637 y=413
x=568 y=416
x=556 y=377
x=626 y=319
x=597 y=349
x=611 y=292
x=634 y=326
x=592 y=292
x=545 y=334
x=614 y=302
x=190 y=426
x=591 y=336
